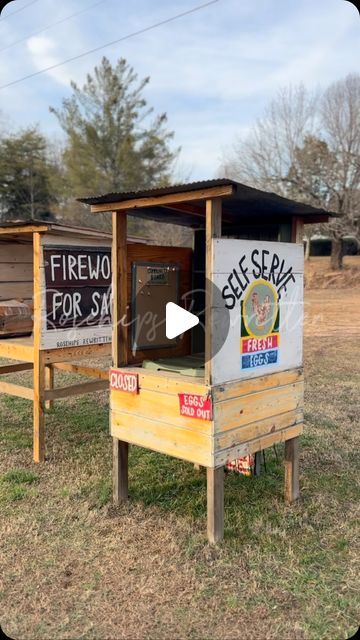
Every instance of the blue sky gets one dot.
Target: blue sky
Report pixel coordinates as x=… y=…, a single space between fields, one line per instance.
x=213 y=71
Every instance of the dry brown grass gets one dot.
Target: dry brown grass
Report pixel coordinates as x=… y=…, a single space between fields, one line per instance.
x=72 y=566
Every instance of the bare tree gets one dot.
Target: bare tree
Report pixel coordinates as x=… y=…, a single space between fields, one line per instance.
x=307 y=147
x=264 y=157
x=340 y=118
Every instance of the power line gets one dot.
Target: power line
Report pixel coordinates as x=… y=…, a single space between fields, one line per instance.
x=109 y=44
x=18 y=10
x=53 y=24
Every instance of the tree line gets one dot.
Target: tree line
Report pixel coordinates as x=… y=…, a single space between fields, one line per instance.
x=306 y=146
x=113 y=142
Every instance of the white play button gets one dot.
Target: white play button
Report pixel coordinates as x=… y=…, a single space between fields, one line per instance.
x=178 y=320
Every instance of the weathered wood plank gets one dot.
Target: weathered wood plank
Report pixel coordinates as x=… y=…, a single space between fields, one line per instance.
x=14 y=252
x=241 y=435
x=16 y=290
x=75 y=389
x=15 y=272
x=186 y=196
x=215 y=504
x=292 y=491
x=16 y=390
x=75 y=353
x=244 y=387
x=227 y=455
x=238 y=412
x=90 y=372
x=186 y=444
x=15 y=368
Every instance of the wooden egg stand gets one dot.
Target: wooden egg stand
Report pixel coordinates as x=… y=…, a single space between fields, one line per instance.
x=244 y=414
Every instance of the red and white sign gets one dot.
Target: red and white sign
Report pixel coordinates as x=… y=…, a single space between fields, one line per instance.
x=194 y=406
x=123 y=381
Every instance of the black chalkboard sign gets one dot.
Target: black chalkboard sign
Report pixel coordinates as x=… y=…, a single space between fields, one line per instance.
x=78 y=287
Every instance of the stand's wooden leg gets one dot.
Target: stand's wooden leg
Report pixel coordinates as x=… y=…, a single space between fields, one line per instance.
x=49 y=384
x=257 y=467
x=39 y=416
x=120 y=471
x=215 y=504
x=291 y=469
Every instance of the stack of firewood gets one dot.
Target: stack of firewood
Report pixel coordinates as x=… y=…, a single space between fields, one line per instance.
x=15 y=318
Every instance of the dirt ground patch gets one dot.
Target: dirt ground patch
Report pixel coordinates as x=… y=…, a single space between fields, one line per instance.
x=318 y=274
x=72 y=566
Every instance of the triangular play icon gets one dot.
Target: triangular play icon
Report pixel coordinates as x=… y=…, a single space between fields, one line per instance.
x=178 y=320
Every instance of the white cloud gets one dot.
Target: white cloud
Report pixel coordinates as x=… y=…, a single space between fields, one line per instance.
x=212 y=71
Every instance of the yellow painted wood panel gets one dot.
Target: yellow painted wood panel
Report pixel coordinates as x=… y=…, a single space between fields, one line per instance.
x=227 y=455
x=17 y=349
x=238 y=412
x=16 y=390
x=244 y=387
x=175 y=441
x=240 y=435
x=163 y=407
x=168 y=382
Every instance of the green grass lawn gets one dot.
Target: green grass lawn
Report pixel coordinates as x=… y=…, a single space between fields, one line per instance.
x=73 y=566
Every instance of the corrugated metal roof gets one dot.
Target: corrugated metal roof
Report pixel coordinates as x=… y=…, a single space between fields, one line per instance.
x=244 y=204
x=158 y=191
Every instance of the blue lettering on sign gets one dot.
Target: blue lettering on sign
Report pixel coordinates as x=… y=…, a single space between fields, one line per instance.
x=252 y=360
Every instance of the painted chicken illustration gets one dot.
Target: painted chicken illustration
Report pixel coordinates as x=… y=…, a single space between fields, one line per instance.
x=261 y=309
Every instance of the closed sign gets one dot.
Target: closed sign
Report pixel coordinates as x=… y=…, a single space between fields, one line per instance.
x=123 y=381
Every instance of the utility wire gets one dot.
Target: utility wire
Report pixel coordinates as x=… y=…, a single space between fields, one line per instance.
x=18 y=10
x=109 y=44
x=53 y=24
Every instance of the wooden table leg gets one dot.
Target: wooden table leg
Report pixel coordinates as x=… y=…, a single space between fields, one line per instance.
x=49 y=384
x=39 y=416
x=120 y=471
x=215 y=504
x=292 y=469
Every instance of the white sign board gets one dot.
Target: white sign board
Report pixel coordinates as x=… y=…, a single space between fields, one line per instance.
x=76 y=296
x=260 y=284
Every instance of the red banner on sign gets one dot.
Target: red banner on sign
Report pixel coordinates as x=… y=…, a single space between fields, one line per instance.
x=194 y=406
x=124 y=381
x=252 y=345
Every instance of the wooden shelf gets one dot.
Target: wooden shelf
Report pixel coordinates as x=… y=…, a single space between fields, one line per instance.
x=21 y=348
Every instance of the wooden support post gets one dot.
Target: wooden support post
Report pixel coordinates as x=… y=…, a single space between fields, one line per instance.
x=49 y=384
x=292 y=470
x=297 y=230
x=257 y=465
x=120 y=471
x=215 y=504
x=39 y=366
x=215 y=477
x=119 y=342
x=213 y=230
